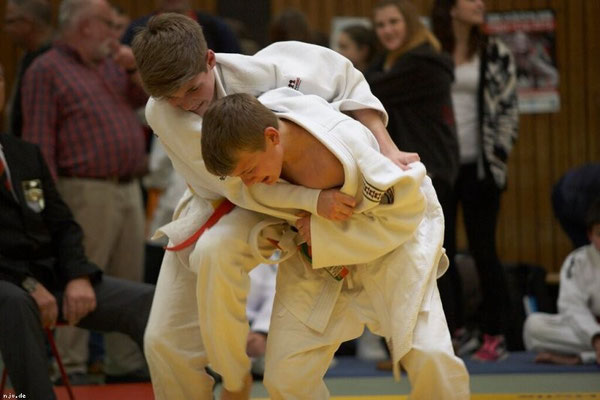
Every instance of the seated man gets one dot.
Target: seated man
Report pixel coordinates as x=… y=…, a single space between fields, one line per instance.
x=573 y=335
x=379 y=271
x=44 y=274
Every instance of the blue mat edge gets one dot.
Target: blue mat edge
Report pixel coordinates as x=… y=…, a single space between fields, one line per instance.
x=516 y=363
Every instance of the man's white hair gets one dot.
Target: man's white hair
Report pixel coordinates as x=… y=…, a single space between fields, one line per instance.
x=71 y=11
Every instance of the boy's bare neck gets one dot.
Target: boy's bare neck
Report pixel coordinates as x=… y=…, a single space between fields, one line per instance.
x=294 y=139
x=306 y=161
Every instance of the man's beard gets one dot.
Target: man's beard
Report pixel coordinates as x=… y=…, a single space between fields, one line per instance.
x=104 y=50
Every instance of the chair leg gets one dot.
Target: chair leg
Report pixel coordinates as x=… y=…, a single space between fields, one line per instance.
x=63 y=373
x=4 y=374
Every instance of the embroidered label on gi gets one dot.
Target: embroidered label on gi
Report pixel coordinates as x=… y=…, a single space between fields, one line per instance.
x=34 y=194
x=371 y=192
x=295 y=83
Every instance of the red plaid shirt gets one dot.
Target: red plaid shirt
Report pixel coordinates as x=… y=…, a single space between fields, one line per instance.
x=83 y=117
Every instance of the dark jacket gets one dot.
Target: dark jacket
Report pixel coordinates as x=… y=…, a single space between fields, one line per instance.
x=219 y=36
x=39 y=240
x=415 y=92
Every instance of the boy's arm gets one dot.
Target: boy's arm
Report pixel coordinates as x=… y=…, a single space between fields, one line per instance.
x=373 y=233
x=371 y=119
x=180 y=133
x=328 y=75
x=307 y=68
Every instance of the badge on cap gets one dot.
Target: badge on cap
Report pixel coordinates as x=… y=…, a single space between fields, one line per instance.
x=34 y=194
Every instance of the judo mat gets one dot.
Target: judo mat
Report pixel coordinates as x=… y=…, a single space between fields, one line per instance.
x=515 y=378
x=484 y=387
x=516 y=363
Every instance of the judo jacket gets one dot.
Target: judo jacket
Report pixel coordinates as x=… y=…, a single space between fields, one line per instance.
x=283 y=64
x=579 y=294
x=394 y=237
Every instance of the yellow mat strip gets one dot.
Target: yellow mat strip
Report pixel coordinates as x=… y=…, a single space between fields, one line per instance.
x=493 y=396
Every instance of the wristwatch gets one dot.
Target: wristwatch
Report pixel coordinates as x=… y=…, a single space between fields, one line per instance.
x=29 y=284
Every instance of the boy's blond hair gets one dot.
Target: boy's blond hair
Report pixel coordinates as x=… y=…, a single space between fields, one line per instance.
x=232 y=124
x=169 y=51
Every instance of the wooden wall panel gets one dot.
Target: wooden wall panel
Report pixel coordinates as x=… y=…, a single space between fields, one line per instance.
x=559 y=139
x=543 y=178
x=548 y=144
x=591 y=48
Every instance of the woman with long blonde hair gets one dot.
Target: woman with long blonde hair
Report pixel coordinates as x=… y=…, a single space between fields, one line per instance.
x=412 y=78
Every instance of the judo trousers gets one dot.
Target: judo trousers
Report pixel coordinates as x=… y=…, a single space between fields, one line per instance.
x=199 y=313
x=298 y=357
x=557 y=333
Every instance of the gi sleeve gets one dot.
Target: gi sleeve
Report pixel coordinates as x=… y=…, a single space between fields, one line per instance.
x=180 y=133
x=373 y=233
x=308 y=68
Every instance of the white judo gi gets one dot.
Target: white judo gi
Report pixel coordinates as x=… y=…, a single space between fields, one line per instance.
x=208 y=282
x=392 y=246
x=578 y=320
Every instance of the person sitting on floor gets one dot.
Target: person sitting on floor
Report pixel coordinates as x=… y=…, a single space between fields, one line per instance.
x=573 y=335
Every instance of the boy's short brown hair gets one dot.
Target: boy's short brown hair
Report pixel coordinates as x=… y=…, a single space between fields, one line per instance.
x=169 y=51
x=234 y=123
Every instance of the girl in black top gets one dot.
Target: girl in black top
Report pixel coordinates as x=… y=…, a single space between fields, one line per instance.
x=412 y=78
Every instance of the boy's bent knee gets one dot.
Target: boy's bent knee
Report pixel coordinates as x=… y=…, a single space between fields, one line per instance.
x=532 y=327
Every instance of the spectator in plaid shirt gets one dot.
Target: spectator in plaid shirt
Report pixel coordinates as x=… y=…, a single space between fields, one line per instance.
x=79 y=99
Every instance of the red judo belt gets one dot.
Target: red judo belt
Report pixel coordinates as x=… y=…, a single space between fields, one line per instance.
x=222 y=209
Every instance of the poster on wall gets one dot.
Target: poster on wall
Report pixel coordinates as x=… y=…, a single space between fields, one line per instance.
x=531 y=37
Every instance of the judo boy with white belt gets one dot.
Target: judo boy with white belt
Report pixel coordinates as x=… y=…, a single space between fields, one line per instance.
x=378 y=268
x=198 y=313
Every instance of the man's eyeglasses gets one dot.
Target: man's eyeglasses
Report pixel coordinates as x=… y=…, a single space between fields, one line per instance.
x=108 y=22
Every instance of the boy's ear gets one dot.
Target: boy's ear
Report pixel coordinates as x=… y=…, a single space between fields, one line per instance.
x=272 y=135
x=211 y=60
